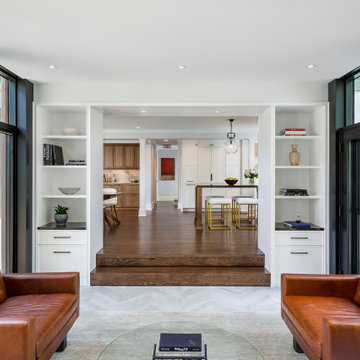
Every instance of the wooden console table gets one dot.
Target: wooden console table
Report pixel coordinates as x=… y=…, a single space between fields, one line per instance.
x=198 y=199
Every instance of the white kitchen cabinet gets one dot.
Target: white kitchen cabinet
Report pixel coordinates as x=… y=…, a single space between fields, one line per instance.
x=189 y=196
x=299 y=252
x=204 y=167
x=211 y=162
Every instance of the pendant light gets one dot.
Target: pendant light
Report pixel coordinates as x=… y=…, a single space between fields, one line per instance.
x=231 y=145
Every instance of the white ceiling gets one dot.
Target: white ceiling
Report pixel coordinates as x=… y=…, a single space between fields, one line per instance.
x=145 y=40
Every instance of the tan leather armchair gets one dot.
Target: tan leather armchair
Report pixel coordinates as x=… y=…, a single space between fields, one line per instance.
x=323 y=314
x=36 y=313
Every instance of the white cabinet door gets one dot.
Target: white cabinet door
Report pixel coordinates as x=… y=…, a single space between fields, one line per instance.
x=233 y=165
x=218 y=165
x=189 y=155
x=55 y=258
x=189 y=196
x=204 y=164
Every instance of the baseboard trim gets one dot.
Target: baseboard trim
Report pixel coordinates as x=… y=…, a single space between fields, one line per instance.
x=167 y=198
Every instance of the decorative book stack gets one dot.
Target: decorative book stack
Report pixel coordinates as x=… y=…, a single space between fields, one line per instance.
x=52 y=155
x=180 y=347
x=76 y=163
x=293 y=132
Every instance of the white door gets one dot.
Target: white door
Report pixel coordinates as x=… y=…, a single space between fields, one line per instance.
x=204 y=164
x=218 y=165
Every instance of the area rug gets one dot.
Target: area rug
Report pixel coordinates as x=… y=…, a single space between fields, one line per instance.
x=94 y=330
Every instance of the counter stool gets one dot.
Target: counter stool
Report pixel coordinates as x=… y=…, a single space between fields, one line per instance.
x=110 y=204
x=252 y=205
x=225 y=210
x=233 y=207
x=207 y=198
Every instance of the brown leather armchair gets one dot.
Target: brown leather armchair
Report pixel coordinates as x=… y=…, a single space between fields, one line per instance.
x=36 y=313
x=323 y=314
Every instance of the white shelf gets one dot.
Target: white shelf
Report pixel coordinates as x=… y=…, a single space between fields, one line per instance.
x=63 y=167
x=64 y=196
x=311 y=197
x=64 y=137
x=307 y=137
x=298 y=167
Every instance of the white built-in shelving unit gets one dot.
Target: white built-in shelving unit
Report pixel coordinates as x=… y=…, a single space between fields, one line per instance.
x=300 y=251
x=68 y=249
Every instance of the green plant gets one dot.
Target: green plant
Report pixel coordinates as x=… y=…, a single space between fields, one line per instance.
x=61 y=210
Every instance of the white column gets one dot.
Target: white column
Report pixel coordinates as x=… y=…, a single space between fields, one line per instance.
x=142 y=185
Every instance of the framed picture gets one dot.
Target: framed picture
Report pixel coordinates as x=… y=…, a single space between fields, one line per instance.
x=167 y=169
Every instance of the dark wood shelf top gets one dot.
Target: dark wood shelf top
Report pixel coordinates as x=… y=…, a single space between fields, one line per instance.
x=69 y=226
x=282 y=227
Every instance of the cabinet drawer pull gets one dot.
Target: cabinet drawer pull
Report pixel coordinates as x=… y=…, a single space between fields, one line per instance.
x=62 y=252
x=62 y=237
x=299 y=237
x=299 y=252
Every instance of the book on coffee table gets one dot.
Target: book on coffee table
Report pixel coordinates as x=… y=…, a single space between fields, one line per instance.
x=180 y=355
x=180 y=342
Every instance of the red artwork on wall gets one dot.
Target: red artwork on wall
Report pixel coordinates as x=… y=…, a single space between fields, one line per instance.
x=167 y=171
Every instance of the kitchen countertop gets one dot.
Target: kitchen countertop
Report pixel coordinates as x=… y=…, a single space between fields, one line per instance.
x=121 y=183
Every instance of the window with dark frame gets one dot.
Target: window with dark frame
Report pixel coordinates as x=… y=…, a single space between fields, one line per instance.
x=8 y=135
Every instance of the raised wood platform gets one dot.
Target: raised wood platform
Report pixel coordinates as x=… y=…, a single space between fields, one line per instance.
x=165 y=249
x=199 y=276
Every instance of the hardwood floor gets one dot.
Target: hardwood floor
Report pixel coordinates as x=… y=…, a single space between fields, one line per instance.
x=165 y=249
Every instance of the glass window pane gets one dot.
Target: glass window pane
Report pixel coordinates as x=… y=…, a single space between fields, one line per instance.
x=6 y=201
x=4 y=99
x=357 y=101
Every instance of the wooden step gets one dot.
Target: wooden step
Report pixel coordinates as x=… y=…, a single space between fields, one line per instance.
x=181 y=260
x=182 y=276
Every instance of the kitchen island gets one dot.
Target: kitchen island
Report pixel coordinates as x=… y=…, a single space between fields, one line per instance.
x=198 y=199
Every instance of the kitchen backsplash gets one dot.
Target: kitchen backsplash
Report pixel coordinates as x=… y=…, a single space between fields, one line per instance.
x=122 y=176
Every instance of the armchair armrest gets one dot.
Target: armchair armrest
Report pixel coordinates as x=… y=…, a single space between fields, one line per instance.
x=341 y=338
x=41 y=283
x=17 y=338
x=319 y=285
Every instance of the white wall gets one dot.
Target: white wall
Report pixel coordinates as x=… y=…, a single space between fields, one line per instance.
x=151 y=166
x=167 y=189
x=95 y=218
x=266 y=210
x=244 y=91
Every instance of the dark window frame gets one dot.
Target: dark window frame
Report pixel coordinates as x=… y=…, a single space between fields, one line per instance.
x=10 y=129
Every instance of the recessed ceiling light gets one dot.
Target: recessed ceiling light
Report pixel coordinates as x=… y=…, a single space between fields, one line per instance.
x=143 y=111
x=217 y=112
x=52 y=67
x=166 y=140
x=310 y=66
x=137 y=127
x=181 y=67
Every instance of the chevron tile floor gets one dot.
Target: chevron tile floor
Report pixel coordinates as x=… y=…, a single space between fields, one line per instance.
x=180 y=299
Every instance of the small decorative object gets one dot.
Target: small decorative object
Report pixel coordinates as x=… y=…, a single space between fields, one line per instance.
x=231 y=180
x=294 y=155
x=69 y=190
x=251 y=174
x=167 y=171
x=61 y=216
x=71 y=131
x=231 y=145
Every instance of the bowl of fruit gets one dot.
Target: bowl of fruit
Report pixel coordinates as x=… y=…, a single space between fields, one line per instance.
x=231 y=180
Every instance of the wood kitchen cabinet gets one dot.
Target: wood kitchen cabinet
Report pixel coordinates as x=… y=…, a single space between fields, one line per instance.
x=108 y=156
x=121 y=156
x=130 y=197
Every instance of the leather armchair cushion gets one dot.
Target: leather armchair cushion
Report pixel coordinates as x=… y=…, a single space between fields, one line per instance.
x=357 y=294
x=307 y=314
x=2 y=289
x=51 y=312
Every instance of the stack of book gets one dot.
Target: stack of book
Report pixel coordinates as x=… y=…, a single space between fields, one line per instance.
x=76 y=163
x=52 y=155
x=180 y=347
x=297 y=224
x=293 y=132
x=294 y=192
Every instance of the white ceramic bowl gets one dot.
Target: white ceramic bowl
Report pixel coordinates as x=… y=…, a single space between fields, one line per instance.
x=71 y=131
x=69 y=190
